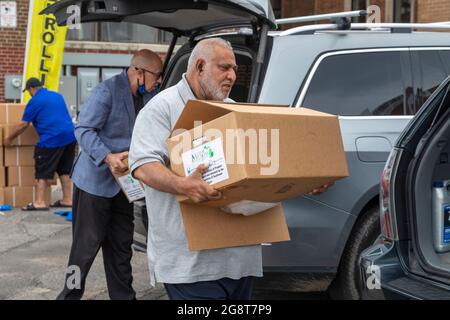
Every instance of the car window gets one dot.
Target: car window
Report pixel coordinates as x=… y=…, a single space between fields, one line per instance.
x=445 y=56
x=359 y=84
x=431 y=73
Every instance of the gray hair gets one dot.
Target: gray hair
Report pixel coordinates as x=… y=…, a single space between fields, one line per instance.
x=205 y=49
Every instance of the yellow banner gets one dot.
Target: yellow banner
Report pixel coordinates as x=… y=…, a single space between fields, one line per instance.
x=45 y=47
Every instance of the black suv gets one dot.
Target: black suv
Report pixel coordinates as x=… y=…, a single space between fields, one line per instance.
x=411 y=260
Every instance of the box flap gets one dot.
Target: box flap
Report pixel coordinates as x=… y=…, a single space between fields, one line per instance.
x=270 y=109
x=211 y=228
x=199 y=110
x=205 y=111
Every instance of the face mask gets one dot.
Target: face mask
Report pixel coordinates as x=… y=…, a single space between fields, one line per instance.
x=141 y=88
x=142 y=91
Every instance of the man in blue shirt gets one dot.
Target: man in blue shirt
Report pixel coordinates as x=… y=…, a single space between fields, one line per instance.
x=55 y=150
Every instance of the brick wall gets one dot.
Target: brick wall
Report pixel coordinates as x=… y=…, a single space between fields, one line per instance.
x=330 y=6
x=295 y=8
x=12 y=46
x=433 y=10
x=382 y=5
x=13 y=42
x=425 y=10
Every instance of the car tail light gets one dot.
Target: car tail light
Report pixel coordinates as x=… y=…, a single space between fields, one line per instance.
x=387 y=212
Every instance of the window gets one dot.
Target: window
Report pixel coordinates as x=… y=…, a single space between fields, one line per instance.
x=402 y=11
x=127 y=32
x=359 y=84
x=276 y=6
x=118 y=32
x=87 y=32
x=445 y=56
x=359 y=5
x=431 y=72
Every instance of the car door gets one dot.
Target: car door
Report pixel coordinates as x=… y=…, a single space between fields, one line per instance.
x=370 y=90
x=421 y=161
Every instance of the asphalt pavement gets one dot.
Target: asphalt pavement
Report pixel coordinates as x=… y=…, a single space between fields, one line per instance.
x=34 y=248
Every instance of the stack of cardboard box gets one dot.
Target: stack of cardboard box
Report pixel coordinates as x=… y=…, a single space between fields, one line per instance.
x=17 y=161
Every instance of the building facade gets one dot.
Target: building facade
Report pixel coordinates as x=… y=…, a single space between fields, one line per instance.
x=391 y=10
x=100 y=50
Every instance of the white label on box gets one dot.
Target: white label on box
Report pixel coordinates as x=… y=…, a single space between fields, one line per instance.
x=132 y=187
x=211 y=153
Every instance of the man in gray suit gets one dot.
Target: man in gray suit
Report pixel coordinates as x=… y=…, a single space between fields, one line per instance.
x=102 y=215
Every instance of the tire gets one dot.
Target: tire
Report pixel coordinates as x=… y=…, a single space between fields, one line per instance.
x=347 y=284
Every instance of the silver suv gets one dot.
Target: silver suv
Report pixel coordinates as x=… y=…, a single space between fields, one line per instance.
x=375 y=77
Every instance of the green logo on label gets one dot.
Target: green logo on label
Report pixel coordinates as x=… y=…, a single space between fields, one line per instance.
x=206 y=153
x=207 y=150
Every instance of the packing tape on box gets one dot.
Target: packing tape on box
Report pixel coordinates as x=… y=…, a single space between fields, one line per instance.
x=14 y=196
x=20 y=175
x=17 y=156
x=248 y=208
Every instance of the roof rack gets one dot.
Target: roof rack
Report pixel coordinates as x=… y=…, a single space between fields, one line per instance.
x=331 y=16
x=368 y=26
x=341 y=21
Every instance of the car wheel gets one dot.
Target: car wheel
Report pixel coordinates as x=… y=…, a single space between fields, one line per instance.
x=347 y=284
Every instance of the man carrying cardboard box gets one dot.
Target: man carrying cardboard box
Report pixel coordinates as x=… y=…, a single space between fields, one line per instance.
x=55 y=150
x=208 y=274
x=102 y=216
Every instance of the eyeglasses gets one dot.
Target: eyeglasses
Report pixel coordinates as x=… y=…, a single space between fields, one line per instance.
x=156 y=74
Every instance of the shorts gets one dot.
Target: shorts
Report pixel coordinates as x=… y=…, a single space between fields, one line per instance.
x=47 y=161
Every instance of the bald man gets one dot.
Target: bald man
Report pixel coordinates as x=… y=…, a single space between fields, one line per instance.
x=102 y=217
x=225 y=273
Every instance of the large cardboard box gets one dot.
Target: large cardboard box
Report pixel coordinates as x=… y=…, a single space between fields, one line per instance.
x=2 y=196
x=211 y=228
x=20 y=176
x=19 y=156
x=28 y=138
x=2 y=176
x=11 y=113
x=259 y=153
x=21 y=196
x=23 y=176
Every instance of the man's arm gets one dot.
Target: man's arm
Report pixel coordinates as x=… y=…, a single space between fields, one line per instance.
x=16 y=131
x=157 y=176
x=148 y=157
x=92 y=119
